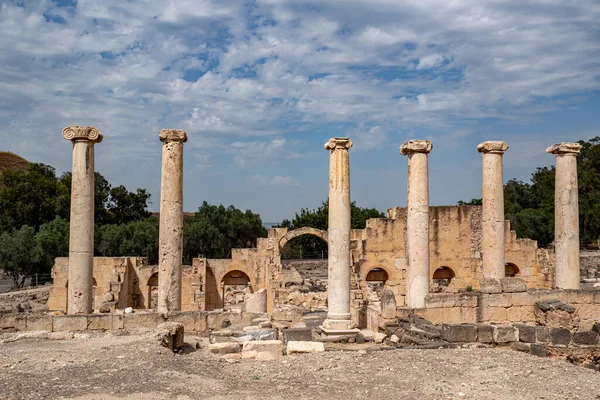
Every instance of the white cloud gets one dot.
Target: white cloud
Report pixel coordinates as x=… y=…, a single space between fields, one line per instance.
x=277 y=180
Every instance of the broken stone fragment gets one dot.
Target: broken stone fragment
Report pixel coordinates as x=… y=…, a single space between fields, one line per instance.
x=304 y=347
x=170 y=335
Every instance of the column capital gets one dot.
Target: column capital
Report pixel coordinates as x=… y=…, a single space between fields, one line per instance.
x=564 y=148
x=492 y=146
x=338 y=143
x=416 y=146
x=172 y=135
x=76 y=132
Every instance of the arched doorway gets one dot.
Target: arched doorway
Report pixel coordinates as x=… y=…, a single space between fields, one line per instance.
x=152 y=291
x=442 y=277
x=511 y=270
x=304 y=256
x=375 y=281
x=234 y=286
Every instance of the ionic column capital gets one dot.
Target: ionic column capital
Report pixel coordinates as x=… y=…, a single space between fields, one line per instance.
x=564 y=148
x=338 y=143
x=172 y=135
x=416 y=146
x=76 y=132
x=493 y=147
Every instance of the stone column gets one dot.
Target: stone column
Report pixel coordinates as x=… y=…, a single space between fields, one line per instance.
x=492 y=217
x=338 y=290
x=417 y=222
x=170 y=247
x=566 y=215
x=81 y=236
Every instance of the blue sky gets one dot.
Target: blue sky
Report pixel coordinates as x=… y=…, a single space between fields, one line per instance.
x=259 y=86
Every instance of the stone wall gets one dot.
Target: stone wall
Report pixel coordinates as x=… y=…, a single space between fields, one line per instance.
x=33 y=300
x=589 y=266
x=473 y=307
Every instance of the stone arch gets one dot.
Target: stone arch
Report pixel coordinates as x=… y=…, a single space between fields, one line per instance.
x=377 y=274
x=152 y=286
x=511 y=269
x=374 y=280
x=302 y=231
x=442 y=278
x=238 y=279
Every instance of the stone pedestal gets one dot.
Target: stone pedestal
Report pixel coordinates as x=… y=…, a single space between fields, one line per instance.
x=492 y=218
x=338 y=292
x=81 y=237
x=170 y=248
x=417 y=222
x=566 y=215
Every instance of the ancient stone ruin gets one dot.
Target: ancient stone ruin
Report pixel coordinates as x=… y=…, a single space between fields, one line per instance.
x=423 y=276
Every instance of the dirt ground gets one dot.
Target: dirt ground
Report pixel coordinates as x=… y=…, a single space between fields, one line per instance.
x=136 y=367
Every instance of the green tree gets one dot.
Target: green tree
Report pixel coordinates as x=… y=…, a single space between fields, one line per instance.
x=29 y=197
x=472 y=202
x=215 y=230
x=17 y=258
x=51 y=241
x=136 y=238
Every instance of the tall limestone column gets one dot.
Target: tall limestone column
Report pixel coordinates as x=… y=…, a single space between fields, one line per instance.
x=566 y=215
x=492 y=218
x=417 y=221
x=338 y=290
x=81 y=237
x=170 y=247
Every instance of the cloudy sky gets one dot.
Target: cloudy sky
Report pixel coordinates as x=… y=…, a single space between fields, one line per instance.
x=259 y=86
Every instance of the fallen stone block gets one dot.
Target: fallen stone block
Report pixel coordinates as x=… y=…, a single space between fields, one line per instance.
x=490 y=285
x=586 y=338
x=520 y=346
x=224 y=348
x=394 y=339
x=379 y=337
x=513 y=285
x=560 y=336
x=264 y=350
x=527 y=333
x=485 y=333
x=368 y=335
x=255 y=302
x=459 y=333
x=289 y=314
x=539 y=349
x=305 y=347
x=297 y=335
x=505 y=334
x=171 y=335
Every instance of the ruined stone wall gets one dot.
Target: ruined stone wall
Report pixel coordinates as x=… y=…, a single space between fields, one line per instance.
x=589 y=266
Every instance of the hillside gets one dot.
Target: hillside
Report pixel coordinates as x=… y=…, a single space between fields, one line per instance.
x=12 y=161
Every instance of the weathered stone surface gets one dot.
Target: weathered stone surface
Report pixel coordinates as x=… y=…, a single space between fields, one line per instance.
x=300 y=334
x=304 y=347
x=586 y=338
x=13 y=322
x=255 y=302
x=505 y=334
x=560 y=336
x=388 y=304
x=417 y=222
x=459 y=333
x=379 y=337
x=39 y=322
x=490 y=285
x=485 y=333
x=566 y=215
x=556 y=314
x=492 y=215
x=69 y=323
x=527 y=333
x=290 y=314
x=542 y=334
x=338 y=292
x=520 y=346
x=187 y=318
x=539 y=349
x=101 y=322
x=513 y=285
x=263 y=351
x=141 y=320
x=225 y=348
x=596 y=327
x=171 y=335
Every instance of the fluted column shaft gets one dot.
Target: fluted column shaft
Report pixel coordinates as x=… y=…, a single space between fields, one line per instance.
x=170 y=248
x=81 y=234
x=566 y=215
x=417 y=222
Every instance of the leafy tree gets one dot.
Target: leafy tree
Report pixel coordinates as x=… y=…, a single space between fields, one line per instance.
x=472 y=202
x=29 y=197
x=215 y=230
x=136 y=238
x=51 y=241
x=17 y=258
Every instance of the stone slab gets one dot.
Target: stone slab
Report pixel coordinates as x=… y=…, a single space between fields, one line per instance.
x=485 y=333
x=505 y=334
x=299 y=334
x=62 y=323
x=264 y=350
x=39 y=322
x=585 y=338
x=141 y=320
x=459 y=333
x=527 y=333
x=560 y=336
x=100 y=322
x=225 y=348
x=294 y=347
x=539 y=349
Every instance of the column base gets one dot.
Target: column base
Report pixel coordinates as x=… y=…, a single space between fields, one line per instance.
x=338 y=327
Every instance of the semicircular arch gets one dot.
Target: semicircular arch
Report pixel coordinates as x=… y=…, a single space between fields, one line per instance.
x=321 y=234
